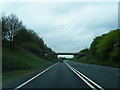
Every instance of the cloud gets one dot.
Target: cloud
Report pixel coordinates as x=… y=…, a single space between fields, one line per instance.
x=67 y=27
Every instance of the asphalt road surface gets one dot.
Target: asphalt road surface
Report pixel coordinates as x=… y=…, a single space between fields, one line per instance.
x=104 y=76
x=70 y=74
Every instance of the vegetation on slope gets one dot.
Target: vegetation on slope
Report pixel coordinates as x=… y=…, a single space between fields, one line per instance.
x=21 y=60
x=23 y=51
x=104 y=50
x=22 y=47
x=20 y=63
x=107 y=46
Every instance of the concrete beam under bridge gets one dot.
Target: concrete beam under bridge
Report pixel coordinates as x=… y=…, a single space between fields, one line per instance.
x=67 y=54
x=74 y=54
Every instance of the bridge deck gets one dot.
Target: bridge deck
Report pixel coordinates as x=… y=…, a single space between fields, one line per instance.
x=67 y=54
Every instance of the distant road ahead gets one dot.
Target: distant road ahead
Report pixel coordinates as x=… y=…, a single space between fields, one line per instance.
x=70 y=74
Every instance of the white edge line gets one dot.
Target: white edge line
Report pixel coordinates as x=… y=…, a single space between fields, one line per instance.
x=86 y=77
x=90 y=80
x=81 y=77
x=33 y=77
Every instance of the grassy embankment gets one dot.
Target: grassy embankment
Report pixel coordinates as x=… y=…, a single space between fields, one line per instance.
x=92 y=60
x=104 y=50
x=23 y=50
x=20 y=63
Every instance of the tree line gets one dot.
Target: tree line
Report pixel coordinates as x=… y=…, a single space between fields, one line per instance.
x=15 y=34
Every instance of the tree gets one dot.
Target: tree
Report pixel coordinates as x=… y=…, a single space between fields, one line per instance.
x=29 y=36
x=4 y=28
x=10 y=26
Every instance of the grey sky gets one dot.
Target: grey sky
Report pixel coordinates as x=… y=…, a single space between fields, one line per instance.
x=65 y=26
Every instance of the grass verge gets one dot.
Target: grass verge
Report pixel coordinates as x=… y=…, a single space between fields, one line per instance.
x=21 y=60
x=19 y=64
x=91 y=60
x=11 y=76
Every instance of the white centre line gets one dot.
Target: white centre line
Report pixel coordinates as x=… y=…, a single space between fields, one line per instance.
x=88 y=81
x=18 y=87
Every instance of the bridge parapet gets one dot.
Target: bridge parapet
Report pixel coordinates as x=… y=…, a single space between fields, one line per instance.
x=81 y=54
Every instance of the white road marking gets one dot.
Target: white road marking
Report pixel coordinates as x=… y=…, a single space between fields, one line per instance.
x=89 y=79
x=81 y=77
x=33 y=77
x=86 y=78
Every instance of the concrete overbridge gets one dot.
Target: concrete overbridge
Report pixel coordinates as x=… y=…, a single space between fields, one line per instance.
x=44 y=53
x=74 y=54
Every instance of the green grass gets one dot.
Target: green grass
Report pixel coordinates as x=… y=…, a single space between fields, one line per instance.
x=11 y=76
x=20 y=63
x=91 y=60
x=19 y=60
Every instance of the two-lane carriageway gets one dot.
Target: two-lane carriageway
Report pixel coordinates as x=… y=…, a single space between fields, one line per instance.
x=70 y=74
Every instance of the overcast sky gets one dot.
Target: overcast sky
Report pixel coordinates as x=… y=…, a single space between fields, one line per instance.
x=66 y=26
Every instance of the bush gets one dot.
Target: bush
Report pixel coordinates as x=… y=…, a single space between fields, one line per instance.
x=114 y=55
x=31 y=47
x=19 y=60
x=103 y=47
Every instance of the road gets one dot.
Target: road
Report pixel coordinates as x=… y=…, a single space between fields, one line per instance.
x=70 y=74
x=105 y=76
